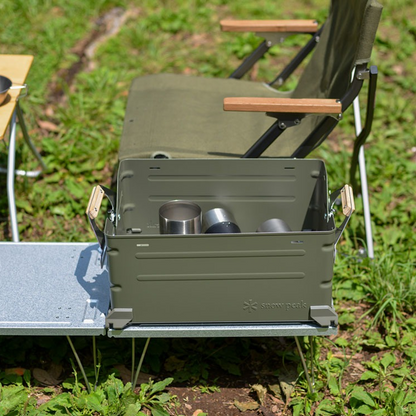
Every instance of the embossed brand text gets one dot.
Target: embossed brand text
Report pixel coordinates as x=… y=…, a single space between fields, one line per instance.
x=284 y=305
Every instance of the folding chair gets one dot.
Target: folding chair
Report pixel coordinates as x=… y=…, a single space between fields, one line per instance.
x=177 y=116
x=182 y=116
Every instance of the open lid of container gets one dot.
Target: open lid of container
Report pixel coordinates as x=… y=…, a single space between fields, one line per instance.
x=252 y=190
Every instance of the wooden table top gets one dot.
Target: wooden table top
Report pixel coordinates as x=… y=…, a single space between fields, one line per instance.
x=16 y=68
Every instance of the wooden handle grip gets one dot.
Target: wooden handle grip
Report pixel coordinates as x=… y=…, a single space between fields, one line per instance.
x=347 y=199
x=95 y=201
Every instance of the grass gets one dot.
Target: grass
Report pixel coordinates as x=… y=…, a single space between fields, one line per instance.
x=368 y=367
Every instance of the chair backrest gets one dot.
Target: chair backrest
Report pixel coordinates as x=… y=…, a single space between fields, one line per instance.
x=346 y=41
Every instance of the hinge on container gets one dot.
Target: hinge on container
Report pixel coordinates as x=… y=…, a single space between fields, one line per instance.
x=111 y=196
x=333 y=199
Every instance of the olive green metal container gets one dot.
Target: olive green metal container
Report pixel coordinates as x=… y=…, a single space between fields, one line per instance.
x=248 y=277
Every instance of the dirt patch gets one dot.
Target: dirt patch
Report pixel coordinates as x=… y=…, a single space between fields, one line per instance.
x=253 y=393
x=226 y=402
x=105 y=27
x=217 y=403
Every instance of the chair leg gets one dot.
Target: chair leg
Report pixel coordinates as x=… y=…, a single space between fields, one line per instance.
x=366 y=204
x=364 y=186
x=10 y=179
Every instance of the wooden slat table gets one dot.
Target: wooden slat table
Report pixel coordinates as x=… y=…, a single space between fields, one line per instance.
x=16 y=68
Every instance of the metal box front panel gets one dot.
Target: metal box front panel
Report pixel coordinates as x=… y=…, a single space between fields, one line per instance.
x=221 y=278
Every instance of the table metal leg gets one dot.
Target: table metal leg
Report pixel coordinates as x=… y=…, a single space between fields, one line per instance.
x=311 y=341
x=10 y=179
x=11 y=171
x=84 y=375
x=27 y=173
x=305 y=368
x=136 y=377
x=133 y=360
x=27 y=138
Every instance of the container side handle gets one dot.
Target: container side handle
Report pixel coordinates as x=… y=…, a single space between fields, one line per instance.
x=93 y=210
x=348 y=207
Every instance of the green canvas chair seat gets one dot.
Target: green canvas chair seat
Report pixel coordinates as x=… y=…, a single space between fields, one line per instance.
x=182 y=116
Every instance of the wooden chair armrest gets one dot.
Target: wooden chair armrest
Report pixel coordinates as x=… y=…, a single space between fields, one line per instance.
x=264 y=26
x=283 y=105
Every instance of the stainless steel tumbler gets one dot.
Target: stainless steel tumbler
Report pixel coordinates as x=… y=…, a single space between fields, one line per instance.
x=219 y=220
x=180 y=217
x=274 y=225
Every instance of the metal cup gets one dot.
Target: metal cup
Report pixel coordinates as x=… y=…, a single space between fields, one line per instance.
x=180 y=217
x=5 y=86
x=219 y=220
x=274 y=225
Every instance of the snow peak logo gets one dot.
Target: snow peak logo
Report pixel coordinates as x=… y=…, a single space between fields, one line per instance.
x=250 y=306
x=284 y=305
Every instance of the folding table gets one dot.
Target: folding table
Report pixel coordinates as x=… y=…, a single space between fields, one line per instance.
x=60 y=289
